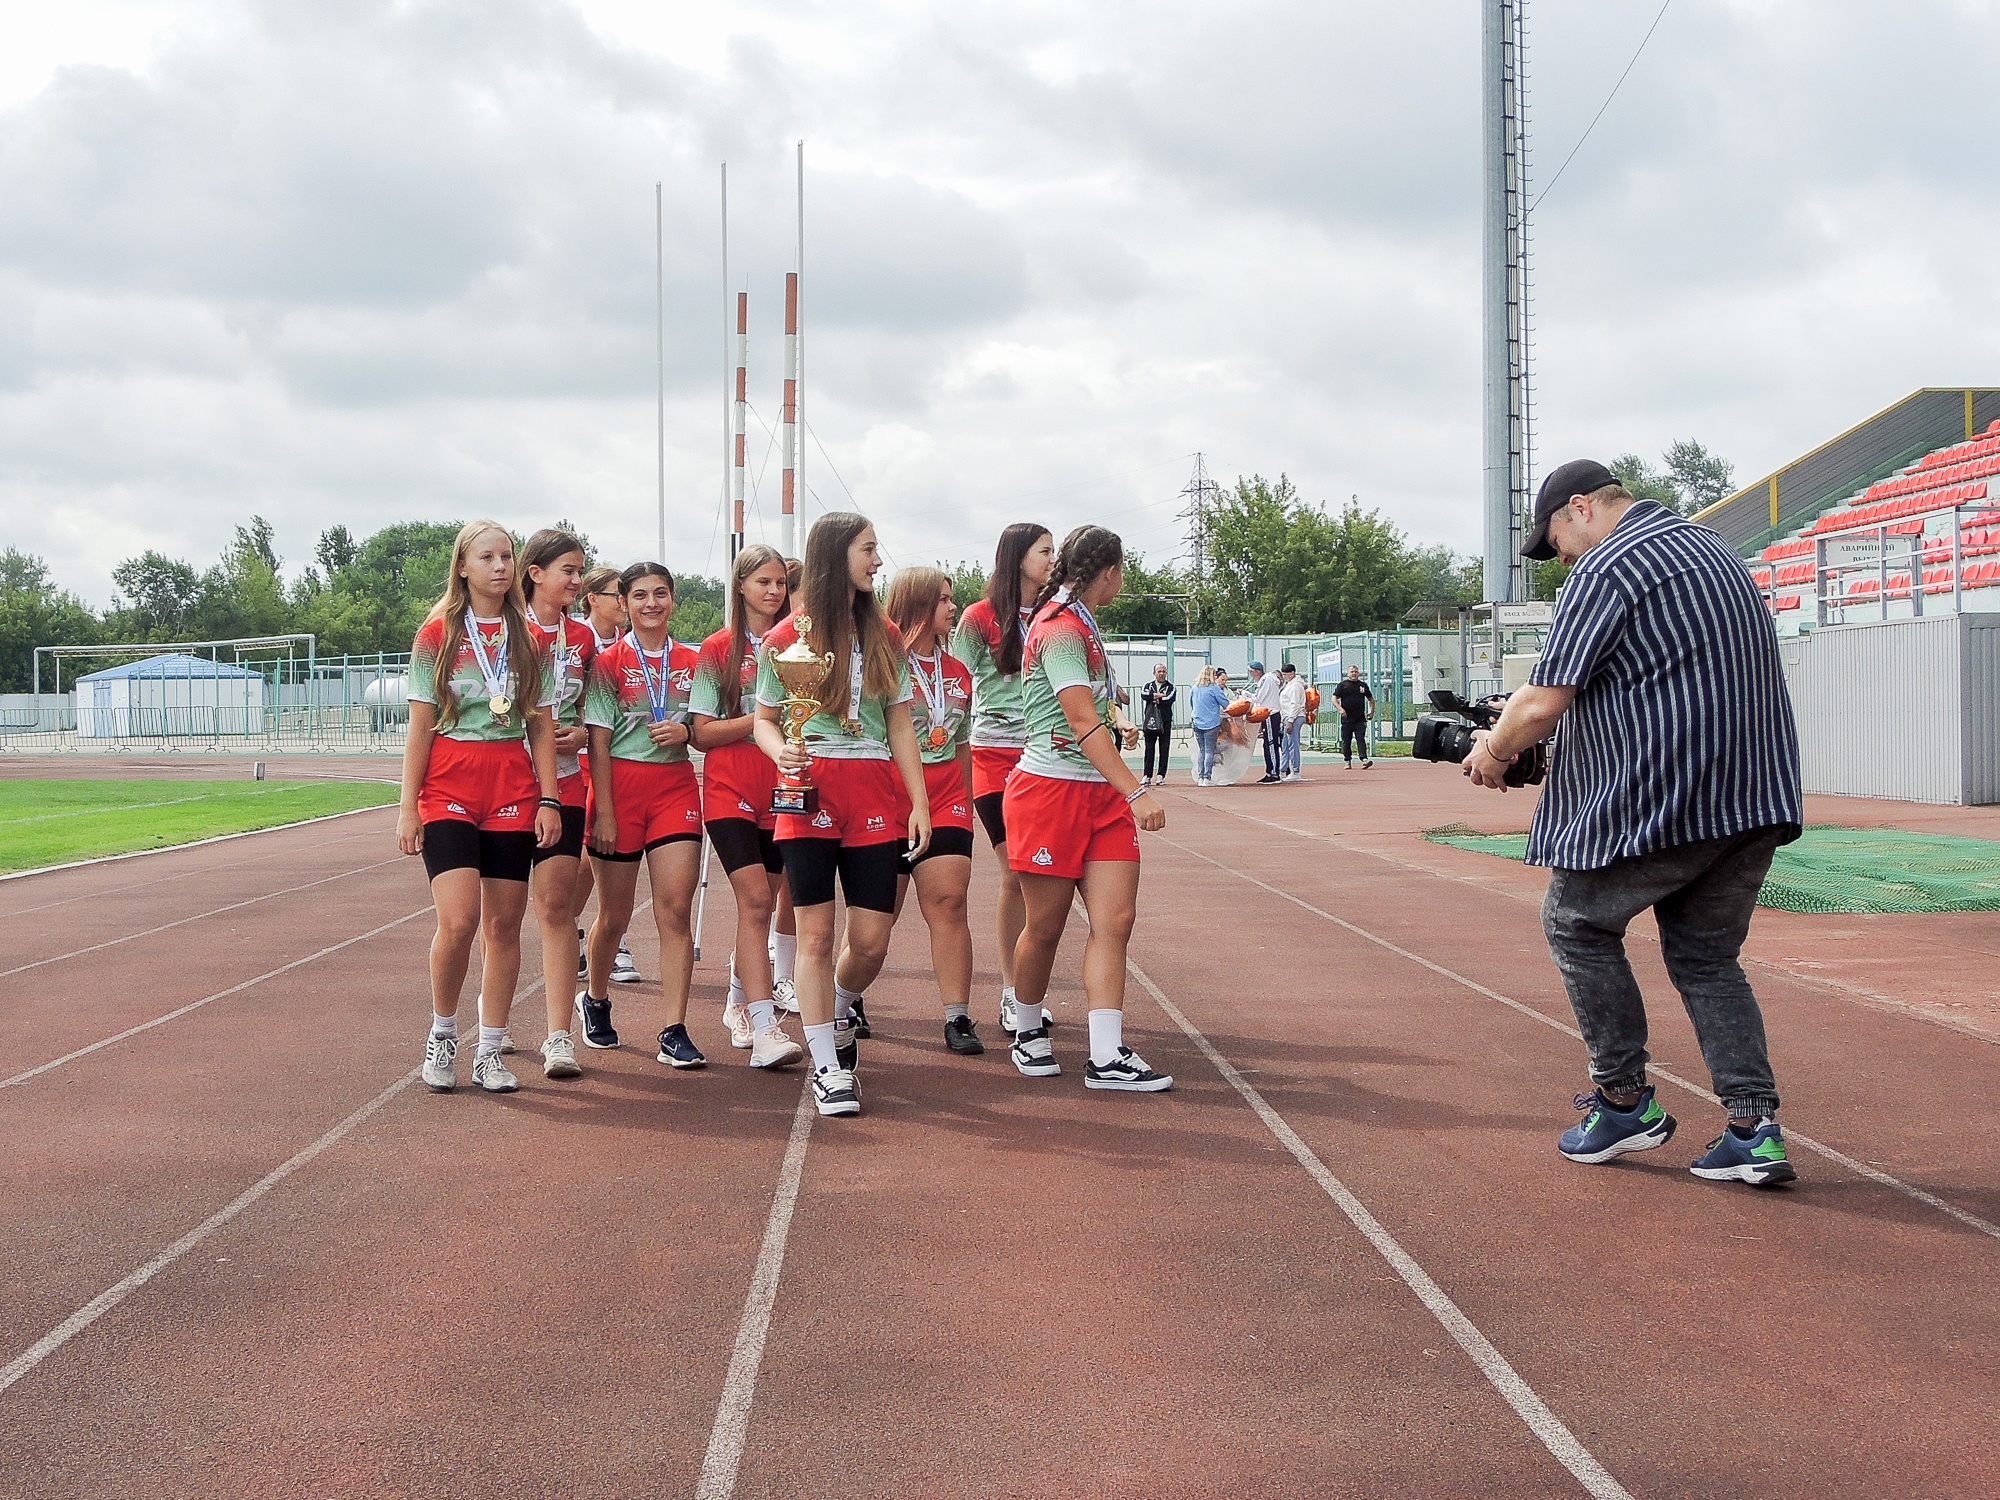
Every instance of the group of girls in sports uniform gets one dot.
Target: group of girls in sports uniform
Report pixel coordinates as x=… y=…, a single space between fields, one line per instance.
x=536 y=735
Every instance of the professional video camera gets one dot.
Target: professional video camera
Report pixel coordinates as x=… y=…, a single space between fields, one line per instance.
x=1447 y=735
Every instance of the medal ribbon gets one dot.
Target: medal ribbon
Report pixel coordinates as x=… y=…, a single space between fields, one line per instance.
x=490 y=669
x=659 y=695
x=933 y=690
x=855 y=668
x=560 y=664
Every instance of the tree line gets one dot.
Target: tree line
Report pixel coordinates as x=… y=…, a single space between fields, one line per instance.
x=1274 y=563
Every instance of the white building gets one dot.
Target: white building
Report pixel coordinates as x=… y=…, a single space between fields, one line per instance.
x=169 y=695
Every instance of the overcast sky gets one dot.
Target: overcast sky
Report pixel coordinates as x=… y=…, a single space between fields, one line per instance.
x=367 y=262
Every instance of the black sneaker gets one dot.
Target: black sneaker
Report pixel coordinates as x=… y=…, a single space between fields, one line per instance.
x=1127 y=1071
x=846 y=1044
x=677 y=1048
x=861 y=1020
x=596 y=1018
x=836 y=1091
x=1267 y=779
x=961 y=1035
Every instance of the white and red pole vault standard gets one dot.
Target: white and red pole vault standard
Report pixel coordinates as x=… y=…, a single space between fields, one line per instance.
x=788 y=441
x=742 y=410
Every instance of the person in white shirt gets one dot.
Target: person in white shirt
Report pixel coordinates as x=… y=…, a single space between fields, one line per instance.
x=1264 y=689
x=1292 y=715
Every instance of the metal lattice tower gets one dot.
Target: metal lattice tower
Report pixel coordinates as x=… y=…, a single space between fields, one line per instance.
x=1202 y=495
x=1508 y=424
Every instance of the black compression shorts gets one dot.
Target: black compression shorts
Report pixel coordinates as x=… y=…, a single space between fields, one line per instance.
x=867 y=872
x=943 y=841
x=571 y=842
x=453 y=844
x=741 y=843
x=990 y=817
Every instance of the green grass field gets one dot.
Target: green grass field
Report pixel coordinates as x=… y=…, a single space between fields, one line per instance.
x=53 y=822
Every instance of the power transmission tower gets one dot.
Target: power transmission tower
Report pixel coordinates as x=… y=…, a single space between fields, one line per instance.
x=1202 y=495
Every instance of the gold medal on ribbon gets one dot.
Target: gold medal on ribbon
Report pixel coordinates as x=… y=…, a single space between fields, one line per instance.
x=851 y=727
x=938 y=737
x=501 y=705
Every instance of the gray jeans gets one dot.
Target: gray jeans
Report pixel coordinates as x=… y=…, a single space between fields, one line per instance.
x=1702 y=896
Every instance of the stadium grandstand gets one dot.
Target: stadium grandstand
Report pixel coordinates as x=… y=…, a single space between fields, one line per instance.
x=1902 y=509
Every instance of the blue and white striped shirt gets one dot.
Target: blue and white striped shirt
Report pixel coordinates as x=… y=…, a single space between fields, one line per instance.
x=1681 y=729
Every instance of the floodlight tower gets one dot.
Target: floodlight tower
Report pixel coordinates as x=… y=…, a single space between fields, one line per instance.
x=1506 y=427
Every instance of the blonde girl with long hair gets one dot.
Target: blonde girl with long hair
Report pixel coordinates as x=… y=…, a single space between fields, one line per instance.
x=474 y=806
x=861 y=753
x=736 y=783
x=922 y=608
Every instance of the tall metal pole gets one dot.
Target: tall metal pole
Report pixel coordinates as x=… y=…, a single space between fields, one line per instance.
x=799 y=384
x=1494 y=21
x=788 y=428
x=742 y=410
x=660 y=331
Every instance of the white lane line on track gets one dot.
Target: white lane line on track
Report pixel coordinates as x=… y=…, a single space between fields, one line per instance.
x=25 y=1362
x=193 y=1005
x=739 y=1387
x=1840 y=1158
x=140 y=885
x=1561 y=1443
x=220 y=838
x=197 y=917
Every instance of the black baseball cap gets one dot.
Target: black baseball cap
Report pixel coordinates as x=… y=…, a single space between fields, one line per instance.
x=1580 y=476
x=1287 y=667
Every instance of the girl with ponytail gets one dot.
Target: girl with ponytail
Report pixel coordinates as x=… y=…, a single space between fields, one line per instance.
x=989 y=640
x=1074 y=810
x=474 y=805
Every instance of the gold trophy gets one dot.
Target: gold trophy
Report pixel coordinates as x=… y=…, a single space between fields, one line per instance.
x=802 y=674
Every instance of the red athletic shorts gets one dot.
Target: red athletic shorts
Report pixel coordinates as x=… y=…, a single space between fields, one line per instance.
x=860 y=802
x=951 y=799
x=574 y=790
x=990 y=767
x=487 y=783
x=736 y=782
x=651 y=803
x=1056 y=827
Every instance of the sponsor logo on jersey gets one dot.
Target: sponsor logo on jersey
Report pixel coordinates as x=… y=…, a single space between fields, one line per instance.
x=743 y=806
x=821 y=820
x=454 y=807
x=1043 y=857
x=958 y=810
x=876 y=823
x=511 y=810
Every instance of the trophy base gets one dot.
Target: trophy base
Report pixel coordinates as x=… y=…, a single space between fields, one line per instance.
x=795 y=801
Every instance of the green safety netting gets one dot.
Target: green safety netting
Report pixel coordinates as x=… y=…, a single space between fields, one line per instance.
x=1829 y=869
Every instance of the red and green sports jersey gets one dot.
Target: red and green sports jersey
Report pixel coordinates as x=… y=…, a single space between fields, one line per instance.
x=569 y=674
x=953 y=683
x=617 y=699
x=825 y=734
x=996 y=697
x=712 y=669
x=1062 y=652
x=468 y=684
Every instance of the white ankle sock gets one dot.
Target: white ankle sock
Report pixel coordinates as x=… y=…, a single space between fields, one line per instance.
x=444 y=1025
x=1107 y=1033
x=819 y=1039
x=490 y=1038
x=784 y=954
x=763 y=1014
x=957 y=1012
x=843 y=1002
x=736 y=996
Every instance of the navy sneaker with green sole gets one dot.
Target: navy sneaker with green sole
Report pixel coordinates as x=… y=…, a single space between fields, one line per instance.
x=1608 y=1132
x=1760 y=1161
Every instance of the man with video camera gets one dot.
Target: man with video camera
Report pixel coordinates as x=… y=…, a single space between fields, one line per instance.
x=1672 y=784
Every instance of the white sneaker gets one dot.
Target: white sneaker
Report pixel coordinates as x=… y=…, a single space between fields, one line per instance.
x=441 y=1064
x=623 y=970
x=1033 y=1056
x=1010 y=1014
x=491 y=1074
x=559 y=1056
x=737 y=1019
x=836 y=1091
x=773 y=1049
x=785 y=997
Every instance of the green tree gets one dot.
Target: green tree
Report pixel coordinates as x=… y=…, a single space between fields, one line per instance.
x=1279 y=565
x=698 y=608
x=34 y=612
x=1701 y=478
x=589 y=551
x=336 y=549
x=1644 y=482
x=1146 y=605
x=968 y=583
x=157 y=595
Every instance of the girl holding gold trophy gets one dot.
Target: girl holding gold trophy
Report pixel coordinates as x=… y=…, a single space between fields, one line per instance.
x=833 y=711
x=473 y=805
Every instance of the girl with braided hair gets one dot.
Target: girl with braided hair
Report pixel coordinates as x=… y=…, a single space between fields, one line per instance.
x=1074 y=810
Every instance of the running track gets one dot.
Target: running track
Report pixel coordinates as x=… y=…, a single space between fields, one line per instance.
x=246 y=1254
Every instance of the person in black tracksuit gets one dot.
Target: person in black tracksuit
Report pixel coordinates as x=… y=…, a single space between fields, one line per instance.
x=1357 y=706
x=1157 y=720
